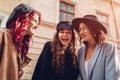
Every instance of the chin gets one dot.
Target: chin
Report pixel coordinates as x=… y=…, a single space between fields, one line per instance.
x=85 y=42
x=64 y=44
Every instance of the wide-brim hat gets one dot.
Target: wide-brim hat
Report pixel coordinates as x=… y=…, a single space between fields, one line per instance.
x=92 y=20
x=20 y=9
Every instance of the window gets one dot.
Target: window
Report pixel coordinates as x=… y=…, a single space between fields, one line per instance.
x=103 y=18
x=3 y=19
x=0 y=22
x=66 y=11
x=118 y=1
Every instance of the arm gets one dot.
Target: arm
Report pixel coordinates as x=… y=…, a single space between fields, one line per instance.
x=37 y=72
x=110 y=64
x=8 y=63
x=39 y=69
x=20 y=73
x=117 y=63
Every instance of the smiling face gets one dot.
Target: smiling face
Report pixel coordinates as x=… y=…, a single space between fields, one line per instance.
x=32 y=25
x=85 y=33
x=65 y=36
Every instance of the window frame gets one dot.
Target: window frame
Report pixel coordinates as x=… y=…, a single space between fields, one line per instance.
x=3 y=18
x=105 y=23
x=67 y=13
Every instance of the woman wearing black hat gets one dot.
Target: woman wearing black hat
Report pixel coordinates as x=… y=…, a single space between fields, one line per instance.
x=97 y=57
x=58 y=60
x=14 y=41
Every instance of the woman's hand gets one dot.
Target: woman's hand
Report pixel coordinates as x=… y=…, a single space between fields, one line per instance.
x=20 y=73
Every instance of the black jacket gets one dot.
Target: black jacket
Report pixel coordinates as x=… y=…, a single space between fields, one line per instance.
x=45 y=71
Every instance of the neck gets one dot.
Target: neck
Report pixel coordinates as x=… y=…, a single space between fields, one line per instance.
x=91 y=44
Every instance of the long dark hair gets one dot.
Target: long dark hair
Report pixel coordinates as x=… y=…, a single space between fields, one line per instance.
x=58 y=61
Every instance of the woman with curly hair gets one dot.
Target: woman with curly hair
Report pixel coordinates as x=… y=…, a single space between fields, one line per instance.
x=97 y=58
x=58 y=60
x=14 y=41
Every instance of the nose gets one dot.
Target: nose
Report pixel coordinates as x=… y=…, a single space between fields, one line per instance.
x=65 y=33
x=81 y=31
x=35 y=27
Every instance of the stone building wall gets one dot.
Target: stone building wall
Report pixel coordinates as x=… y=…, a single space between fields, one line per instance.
x=50 y=17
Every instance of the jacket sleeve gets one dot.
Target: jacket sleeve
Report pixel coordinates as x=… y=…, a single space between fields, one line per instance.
x=8 y=61
x=111 y=66
x=117 y=67
x=39 y=69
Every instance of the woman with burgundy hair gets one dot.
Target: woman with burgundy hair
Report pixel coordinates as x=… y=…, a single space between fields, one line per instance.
x=14 y=41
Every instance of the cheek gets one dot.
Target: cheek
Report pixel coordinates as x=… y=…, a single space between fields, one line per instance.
x=59 y=35
x=30 y=24
x=70 y=37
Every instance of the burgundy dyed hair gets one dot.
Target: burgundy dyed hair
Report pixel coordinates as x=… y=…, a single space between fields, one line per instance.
x=17 y=26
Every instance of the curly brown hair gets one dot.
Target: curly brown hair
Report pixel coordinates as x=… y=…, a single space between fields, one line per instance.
x=58 y=61
x=98 y=33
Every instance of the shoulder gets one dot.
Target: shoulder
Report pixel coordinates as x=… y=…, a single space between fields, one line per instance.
x=109 y=48
x=82 y=47
x=46 y=49
x=47 y=44
x=5 y=32
x=1 y=32
x=108 y=44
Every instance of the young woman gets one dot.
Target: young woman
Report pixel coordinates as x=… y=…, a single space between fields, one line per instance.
x=58 y=60
x=14 y=41
x=97 y=58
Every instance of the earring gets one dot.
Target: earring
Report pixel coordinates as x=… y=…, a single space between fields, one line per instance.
x=94 y=35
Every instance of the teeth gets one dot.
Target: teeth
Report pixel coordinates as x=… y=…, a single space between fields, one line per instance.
x=65 y=39
x=82 y=36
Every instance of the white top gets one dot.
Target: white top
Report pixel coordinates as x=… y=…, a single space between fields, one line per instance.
x=87 y=68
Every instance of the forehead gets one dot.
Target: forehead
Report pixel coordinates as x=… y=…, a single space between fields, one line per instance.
x=82 y=24
x=35 y=16
x=65 y=29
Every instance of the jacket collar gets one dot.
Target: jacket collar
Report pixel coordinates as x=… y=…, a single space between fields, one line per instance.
x=92 y=62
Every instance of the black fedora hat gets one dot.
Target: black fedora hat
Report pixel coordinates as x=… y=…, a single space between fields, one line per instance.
x=91 y=20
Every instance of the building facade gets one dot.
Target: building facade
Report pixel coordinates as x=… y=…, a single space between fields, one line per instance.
x=52 y=11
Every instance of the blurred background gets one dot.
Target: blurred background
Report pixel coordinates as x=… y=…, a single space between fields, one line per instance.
x=53 y=11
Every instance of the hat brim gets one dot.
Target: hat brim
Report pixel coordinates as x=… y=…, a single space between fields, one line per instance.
x=77 y=21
